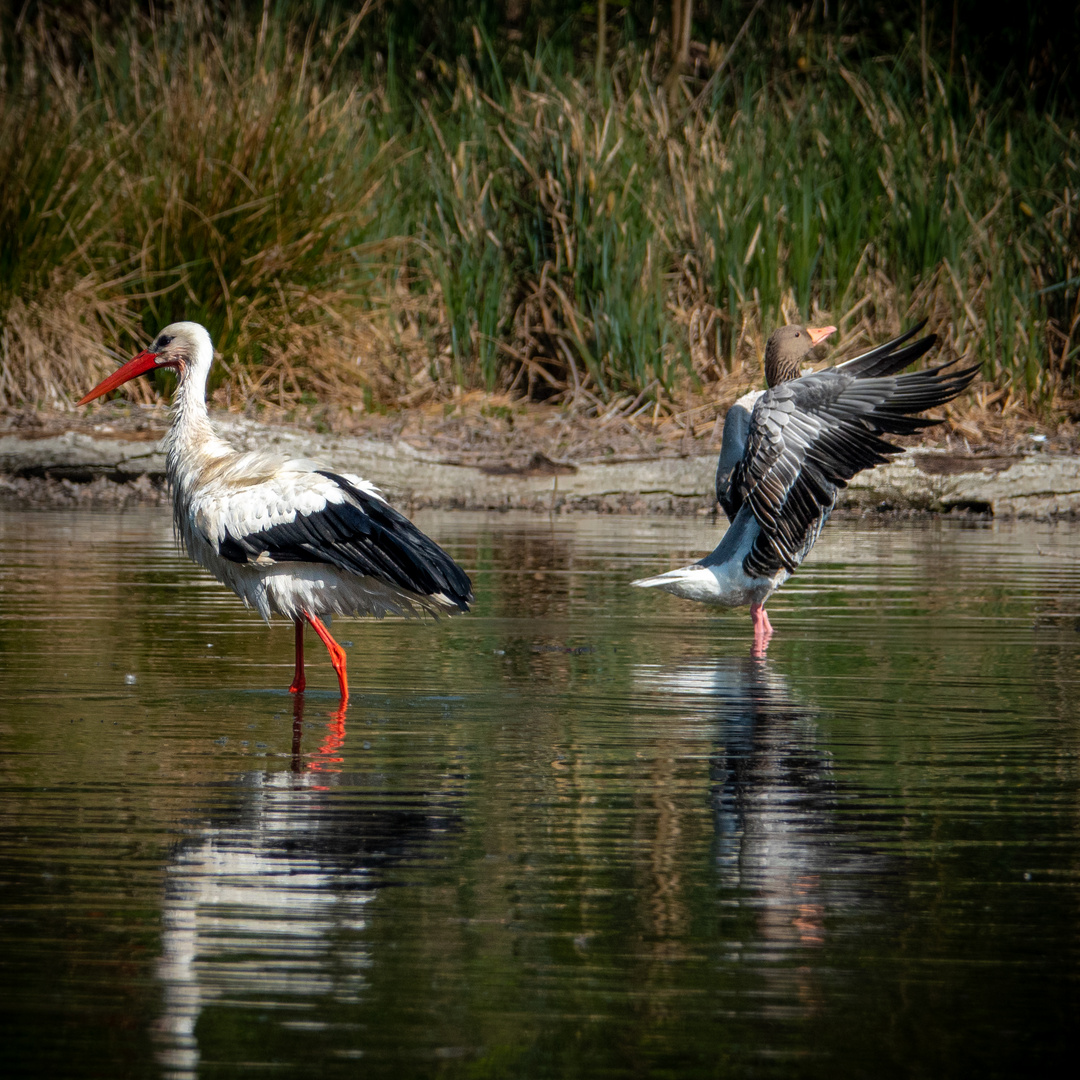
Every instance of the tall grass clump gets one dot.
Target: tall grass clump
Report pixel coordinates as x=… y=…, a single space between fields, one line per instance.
x=521 y=219
x=254 y=214
x=867 y=200
x=58 y=309
x=596 y=240
x=183 y=175
x=551 y=270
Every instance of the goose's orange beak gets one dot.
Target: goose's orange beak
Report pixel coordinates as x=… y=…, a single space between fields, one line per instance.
x=136 y=366
x=819 y=333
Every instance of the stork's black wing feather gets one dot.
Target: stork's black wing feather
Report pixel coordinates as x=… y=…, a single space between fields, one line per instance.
x=363 y=535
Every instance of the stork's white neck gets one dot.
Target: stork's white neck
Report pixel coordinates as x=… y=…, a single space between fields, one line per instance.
x=191 y=441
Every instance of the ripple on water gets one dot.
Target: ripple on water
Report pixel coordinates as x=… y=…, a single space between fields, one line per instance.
x=579 y=832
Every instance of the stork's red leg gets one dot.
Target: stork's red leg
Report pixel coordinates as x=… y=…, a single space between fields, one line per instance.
x=762 y=630
x=337 y=653
x=299 y=682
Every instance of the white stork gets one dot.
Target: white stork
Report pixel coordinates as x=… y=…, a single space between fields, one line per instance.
x=787 y=451
x=289 y=536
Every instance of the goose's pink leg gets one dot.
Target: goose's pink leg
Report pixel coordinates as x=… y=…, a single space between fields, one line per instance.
x=762 y=630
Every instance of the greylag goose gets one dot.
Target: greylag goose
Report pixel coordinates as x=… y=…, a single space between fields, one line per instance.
x=289 y=536
x=788 y=451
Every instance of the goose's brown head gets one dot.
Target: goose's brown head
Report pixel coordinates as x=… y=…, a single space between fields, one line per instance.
x=787 y=348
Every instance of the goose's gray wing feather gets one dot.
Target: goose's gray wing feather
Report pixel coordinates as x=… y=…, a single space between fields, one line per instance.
x=810 y=436
x=889 y=358
x=732 y=452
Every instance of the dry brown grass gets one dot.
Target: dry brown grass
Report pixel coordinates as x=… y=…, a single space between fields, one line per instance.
x=53 y=348
x=602 y=249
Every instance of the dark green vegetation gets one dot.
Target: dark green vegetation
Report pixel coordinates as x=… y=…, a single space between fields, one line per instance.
x=382 y=204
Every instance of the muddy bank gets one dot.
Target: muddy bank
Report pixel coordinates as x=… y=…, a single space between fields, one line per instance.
x=121 y=464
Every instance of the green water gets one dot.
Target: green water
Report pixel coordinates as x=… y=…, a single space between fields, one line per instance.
x=577 y=833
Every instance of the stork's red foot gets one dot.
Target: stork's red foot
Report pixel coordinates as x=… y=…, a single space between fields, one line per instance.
x=337 y=655
x=762 y=630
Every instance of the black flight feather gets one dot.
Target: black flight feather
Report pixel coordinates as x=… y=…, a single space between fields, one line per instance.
x=364 y=536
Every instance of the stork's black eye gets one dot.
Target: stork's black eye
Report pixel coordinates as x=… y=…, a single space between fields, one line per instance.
x=161 y=342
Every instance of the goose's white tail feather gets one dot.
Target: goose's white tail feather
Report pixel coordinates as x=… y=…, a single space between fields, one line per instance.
x=695 y=582
x=663 y=581
x=720 y=578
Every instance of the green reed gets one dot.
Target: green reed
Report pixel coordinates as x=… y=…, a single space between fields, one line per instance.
x=545 y=231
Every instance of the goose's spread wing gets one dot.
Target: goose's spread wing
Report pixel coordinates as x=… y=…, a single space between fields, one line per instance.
x=810 y=436
x=318 y=516
x=880 y=361
x=889 y=358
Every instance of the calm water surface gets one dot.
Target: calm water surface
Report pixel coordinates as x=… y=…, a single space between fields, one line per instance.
x=579 y=833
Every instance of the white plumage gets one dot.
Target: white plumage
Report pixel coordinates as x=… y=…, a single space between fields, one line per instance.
x=289 y=536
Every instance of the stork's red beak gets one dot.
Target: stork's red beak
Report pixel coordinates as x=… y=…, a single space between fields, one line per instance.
x=819 y=333
x=136 y=366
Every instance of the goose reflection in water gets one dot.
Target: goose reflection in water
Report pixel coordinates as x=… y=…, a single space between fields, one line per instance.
x=268 y=903
x=778 y=845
